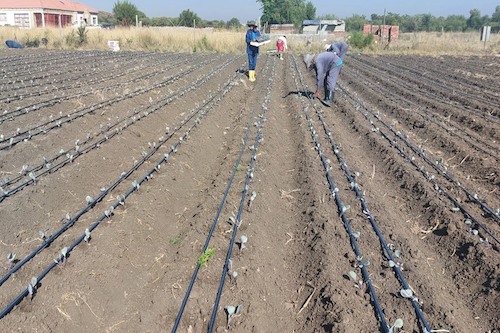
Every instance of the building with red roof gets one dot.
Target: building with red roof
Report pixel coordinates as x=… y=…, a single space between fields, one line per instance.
x=43 y=13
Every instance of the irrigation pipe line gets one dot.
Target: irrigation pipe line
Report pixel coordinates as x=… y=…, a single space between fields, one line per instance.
x=212 y=228
x=85 y=69
x=355 y=187
x=120 y=201
x=122 y=177
x=361 y=262
x=436 y=98
x=70 y=156
x=248 y=178
x=54 y=57
x=400 y=67
x=37 y=106
x=397 y=98
x=430 y=178
x=57 y=122
x=420 y=152
x=56 y=68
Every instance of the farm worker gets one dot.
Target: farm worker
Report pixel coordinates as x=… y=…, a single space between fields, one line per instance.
x=281 y=46
x=339 y=48
x=327 y=66
x=252 y=51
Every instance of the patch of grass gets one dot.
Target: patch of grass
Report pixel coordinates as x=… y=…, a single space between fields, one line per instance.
x=206 y=256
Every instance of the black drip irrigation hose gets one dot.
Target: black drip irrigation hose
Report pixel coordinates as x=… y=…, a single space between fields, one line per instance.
x=120 y=201
x=399 y=67
x=249 y=177
x=85 y=71
x=361 y=262
x=420 y=152
x=107 y=190
x=435 y=97
x=450 y=132
x=213 y=226
x=440 y=189
x=37 y=106
x=70 y=157
x=355 y=187
x=37 y=130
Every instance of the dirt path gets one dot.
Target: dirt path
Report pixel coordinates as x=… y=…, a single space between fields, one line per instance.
x=398 y=182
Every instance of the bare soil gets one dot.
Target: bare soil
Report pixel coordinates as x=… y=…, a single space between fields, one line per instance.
x=190 y=155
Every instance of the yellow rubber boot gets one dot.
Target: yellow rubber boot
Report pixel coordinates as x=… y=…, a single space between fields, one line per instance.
x=251 y=76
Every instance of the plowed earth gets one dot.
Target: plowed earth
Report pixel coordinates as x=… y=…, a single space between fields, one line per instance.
x=398 y=182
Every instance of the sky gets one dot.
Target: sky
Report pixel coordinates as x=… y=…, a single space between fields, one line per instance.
x=250 y=9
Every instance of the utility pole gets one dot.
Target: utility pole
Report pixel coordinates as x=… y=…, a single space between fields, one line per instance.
x=383 y=30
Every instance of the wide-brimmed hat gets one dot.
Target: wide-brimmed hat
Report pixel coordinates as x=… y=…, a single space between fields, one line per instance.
x=308 y=60
x=251 y=24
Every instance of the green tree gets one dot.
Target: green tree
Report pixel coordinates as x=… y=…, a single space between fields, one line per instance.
x=125 y=12
x=105 y=17
x=495 y=17
x=455 y=23
x=410 y=23
x=355 y=23
x=310 y=11
x=393 y=19
x=187 y=18
x=286 y=11
x=233 y=23
x=474 y=21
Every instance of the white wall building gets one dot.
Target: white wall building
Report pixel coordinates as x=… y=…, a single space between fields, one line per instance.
x=44 y=13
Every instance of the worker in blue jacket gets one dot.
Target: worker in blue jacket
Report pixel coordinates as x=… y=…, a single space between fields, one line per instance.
x=339 y=48
x=327 y=66
x=252 y=51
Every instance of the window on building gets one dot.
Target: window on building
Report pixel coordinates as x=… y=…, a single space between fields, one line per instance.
x=94 y=20
x=3 y=17
x=22 y=20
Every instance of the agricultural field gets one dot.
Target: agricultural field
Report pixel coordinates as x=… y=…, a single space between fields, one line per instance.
x=153 y=192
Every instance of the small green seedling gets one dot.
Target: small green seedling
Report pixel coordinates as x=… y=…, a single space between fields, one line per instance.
x=397 y=324
x=242 y=242
x=252 y=198
x=354 y=278
x=11 y=260
x=121 y=200
x=233 y=221
x=87 y=236
x=408 y=293
x=64 y=256
x=43 y=235
x=89 y=199
x=109 y=212
x=32 y=176
x=32 y=287
x=232 y=311
x=344 y=209
x=232 y=277
x=206 y=256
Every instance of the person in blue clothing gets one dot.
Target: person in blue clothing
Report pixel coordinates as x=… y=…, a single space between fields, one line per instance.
x=252 y=51
x=327 y=66
x=339 y=48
